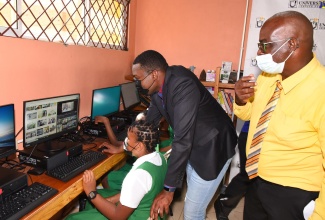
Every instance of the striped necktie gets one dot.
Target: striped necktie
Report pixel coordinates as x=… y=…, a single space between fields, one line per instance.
x=254 y=151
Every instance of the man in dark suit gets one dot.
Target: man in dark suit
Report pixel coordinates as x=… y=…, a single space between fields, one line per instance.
x=204 y=136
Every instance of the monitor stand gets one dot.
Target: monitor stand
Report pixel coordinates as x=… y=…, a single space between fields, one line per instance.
x=51 y=146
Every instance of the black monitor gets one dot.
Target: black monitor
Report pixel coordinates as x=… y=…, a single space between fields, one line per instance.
x=130 y=95
x=47 y=119
x=105 y=101
x=7 y=130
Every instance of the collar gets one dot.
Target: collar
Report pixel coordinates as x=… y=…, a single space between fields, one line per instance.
x=161 y=89
x=143 y=159
x=289 y=83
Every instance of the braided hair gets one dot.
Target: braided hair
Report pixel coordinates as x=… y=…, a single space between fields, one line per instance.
x=147 y=133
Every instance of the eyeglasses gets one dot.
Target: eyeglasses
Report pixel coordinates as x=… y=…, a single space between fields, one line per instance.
x=126 y=140
x=262 y=46
x=138 y=81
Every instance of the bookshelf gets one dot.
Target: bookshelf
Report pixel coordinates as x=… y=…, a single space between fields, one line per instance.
x=227 y=88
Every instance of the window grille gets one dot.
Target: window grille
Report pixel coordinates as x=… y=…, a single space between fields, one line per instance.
x=98 y=23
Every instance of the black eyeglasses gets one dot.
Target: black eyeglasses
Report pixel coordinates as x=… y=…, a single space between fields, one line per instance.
x=126 y=144
x=262 y=46
x=138 y=81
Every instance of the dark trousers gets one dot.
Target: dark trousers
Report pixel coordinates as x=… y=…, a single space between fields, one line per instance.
x=238 y=185
x=269 y=201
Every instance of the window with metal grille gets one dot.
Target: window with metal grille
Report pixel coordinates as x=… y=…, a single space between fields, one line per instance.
x=98 y=23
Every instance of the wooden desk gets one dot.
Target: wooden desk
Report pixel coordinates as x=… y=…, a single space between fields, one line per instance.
x=69 y=190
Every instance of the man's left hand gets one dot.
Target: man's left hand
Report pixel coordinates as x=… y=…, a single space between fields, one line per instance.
x=161 y=204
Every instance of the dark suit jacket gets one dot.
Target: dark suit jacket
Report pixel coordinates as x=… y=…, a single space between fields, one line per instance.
x=204 y=134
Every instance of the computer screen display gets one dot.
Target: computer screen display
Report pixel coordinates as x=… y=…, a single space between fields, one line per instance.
x=130 y=95
x=105 y=101
x=7 y=130
x=49 y=118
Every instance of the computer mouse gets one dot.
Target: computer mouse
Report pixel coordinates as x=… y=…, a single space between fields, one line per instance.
x=102 y=148
x=36 y=171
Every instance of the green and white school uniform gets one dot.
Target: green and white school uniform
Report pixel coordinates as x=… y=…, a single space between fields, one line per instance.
x=140 y=187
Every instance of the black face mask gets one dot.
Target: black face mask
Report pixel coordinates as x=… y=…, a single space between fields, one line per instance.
x=140 y=89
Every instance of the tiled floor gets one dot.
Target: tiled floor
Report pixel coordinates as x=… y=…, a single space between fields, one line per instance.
x=178 y=206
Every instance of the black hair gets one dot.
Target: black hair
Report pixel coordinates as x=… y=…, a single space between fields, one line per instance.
x=151 y=60
x=147 y=133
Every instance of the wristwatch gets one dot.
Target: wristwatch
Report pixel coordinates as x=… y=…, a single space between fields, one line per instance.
x=170 y=189
x=92 y=195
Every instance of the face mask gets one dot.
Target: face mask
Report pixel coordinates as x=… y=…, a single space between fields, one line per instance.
x=125 y=147
x=141 y=90
x=266 y=64
x=126 y=151
x=139 y=87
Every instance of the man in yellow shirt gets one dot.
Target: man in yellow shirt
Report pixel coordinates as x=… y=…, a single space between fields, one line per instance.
x=291 y=167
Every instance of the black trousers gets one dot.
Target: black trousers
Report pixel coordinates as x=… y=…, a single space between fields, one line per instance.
x=269 y=201
x=238 y=185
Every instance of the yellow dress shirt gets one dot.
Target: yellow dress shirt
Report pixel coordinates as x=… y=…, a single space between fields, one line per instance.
x=293 y=150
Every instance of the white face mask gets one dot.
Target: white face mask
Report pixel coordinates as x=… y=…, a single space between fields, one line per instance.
x=125 y=144
x=266 y=64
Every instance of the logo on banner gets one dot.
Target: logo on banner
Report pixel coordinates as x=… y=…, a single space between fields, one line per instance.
x=314 y=22
x=259 y=22
x=253 y=61
x=293 y=4
x=321 y=26
x=306 y=4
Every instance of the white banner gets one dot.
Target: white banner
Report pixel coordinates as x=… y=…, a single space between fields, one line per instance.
x=263 y=9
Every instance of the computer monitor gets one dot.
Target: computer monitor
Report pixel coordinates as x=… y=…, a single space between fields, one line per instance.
x=7 y=130
x=130 y=95
x=105 y=101
x=49 y=118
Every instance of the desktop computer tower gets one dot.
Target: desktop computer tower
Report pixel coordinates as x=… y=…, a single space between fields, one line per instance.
x=42 y=159
x=49 y=160
x=99 y=130
x=11 y=181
